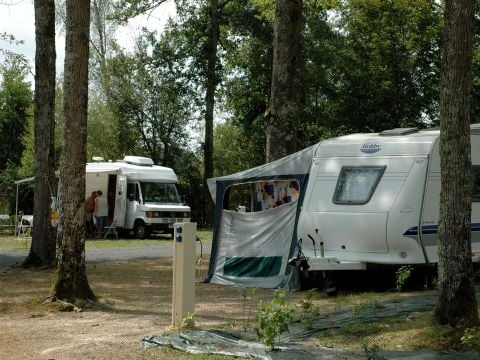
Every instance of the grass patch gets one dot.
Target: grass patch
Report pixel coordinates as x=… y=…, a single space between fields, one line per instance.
x=165 y=352
x=418 y=332
x=23 y=243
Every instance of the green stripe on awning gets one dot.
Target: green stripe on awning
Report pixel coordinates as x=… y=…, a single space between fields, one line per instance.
x=252 y=266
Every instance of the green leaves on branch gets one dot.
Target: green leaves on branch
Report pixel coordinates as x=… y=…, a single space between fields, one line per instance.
x=273 y=319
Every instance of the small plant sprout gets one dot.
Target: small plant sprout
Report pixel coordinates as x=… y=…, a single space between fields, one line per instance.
x=188 y=322
x=402 y=275
x=273 y=319
x=248 y=296
x=310 y=311
x=471 y=339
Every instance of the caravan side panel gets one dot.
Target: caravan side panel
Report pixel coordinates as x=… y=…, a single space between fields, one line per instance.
x=352 y=232
x=431 y=210
x=370 y=232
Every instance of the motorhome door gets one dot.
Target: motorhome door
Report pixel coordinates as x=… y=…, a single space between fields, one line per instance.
x=120 y=201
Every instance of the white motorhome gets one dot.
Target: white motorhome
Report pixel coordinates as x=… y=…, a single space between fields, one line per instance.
x=142 y=197
x=351 y=202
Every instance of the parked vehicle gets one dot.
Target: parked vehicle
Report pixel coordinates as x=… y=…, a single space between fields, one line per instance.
x=349 y=202
x=142 y=197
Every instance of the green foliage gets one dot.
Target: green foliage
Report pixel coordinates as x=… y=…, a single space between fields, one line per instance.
x=102 y=131
x=151 y=100
x=273 y=319
x=471 y=339
x=309 y=310
x=402 y=275
x=15 y=111
x=15 y=108
x=233 y=149
x=188 y=322
x=388 y=70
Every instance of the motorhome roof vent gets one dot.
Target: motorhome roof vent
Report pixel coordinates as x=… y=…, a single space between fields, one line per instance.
x=138 y=160
x=399 y=131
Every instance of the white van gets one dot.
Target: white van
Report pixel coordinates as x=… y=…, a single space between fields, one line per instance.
x=142 y=197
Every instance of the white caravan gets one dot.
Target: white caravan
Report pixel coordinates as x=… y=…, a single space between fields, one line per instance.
x=374 y=198
x=142 y=197
x=350 y=202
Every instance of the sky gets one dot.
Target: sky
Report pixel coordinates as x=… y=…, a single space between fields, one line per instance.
x=17 y=18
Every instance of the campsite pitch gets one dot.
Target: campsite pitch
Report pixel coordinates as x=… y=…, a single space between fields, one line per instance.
x=135 y=301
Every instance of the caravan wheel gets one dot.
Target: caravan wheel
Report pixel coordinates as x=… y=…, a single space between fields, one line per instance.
x=140 y=231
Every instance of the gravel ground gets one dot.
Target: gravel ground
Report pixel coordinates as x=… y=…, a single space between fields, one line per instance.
x=9 y=257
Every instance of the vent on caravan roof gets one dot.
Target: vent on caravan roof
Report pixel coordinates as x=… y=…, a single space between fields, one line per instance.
x=399 y=131
x=138 y=160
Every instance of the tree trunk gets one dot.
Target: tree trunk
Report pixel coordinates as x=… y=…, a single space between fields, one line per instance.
x=211 y=84
x=71 y=277
x=284 y=111
x=213 y=33
x=42 y=250
x=456 y=303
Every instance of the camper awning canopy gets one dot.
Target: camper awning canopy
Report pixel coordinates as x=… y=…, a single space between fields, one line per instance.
x=295 y=164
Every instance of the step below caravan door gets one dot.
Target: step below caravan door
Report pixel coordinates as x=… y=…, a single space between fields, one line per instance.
x=120 y=201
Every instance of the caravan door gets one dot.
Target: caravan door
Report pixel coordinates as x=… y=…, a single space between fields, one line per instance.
x=347 y=205
x=120 y=201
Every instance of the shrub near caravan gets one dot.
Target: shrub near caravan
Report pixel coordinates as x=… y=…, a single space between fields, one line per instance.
x=351 y=202
x=142 y=197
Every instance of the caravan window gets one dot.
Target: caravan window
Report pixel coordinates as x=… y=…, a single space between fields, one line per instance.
x=476 y=183
x=356 y=184
x=261 y=195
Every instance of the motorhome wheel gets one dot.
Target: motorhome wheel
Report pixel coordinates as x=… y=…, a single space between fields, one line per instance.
x=140 y=230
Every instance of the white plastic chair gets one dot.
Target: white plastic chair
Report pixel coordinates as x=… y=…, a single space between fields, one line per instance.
x=25 y=225
x=110 y=229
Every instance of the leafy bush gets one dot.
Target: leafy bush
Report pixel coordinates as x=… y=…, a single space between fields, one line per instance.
x=273 y=319
x=402 y=275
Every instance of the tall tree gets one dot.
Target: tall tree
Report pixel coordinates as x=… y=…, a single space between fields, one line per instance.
x=15 y=101
x=388 y=71
x=211 y=85
x=71 y=278
x=457 y=304
x=42 y=250
x=284 y=110
x=15 y=105
x=150 y=96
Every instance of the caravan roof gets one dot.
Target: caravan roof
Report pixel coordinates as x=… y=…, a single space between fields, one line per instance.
x=394 y=142
x=384 y=144
x=134 y=172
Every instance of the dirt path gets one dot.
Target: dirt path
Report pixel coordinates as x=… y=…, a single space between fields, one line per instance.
x=135 y=301
x=10 y=257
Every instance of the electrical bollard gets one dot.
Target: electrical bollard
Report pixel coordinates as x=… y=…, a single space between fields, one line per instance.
x=184 y=254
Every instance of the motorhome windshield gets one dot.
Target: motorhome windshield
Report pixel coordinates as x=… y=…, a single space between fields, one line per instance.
x=155 y=192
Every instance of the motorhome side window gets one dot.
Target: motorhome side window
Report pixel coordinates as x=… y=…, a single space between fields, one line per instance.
x=132 y=191
x=476 y=183
x=356 y=184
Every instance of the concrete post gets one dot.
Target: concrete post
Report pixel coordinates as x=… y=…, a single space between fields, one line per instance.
x=184 y=253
